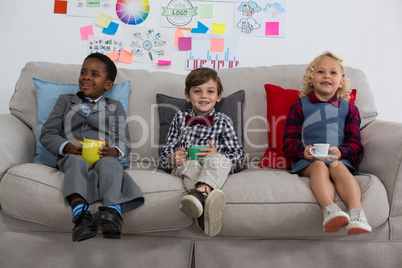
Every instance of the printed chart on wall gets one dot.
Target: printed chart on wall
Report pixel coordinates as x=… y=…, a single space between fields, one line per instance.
x=179 y=13
x=91 y=8
x=213 y=51
x=104 y=44
x=261 y=18
x=148 y=44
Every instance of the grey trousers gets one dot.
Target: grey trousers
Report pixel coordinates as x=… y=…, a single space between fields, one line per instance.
x=213 y=171
x=104 y=181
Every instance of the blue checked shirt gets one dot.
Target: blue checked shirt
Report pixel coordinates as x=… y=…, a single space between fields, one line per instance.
x=222 y=134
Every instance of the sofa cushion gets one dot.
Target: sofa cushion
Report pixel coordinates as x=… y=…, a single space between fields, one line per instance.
x=47 y=94
x=275 y=203
x=279 y=102
x=34 y=193
x=231 y=105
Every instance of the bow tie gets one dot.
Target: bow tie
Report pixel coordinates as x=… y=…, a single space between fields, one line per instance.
x=207 y=121
x=81 y=95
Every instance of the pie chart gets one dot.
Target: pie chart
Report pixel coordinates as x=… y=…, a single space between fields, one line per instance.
x=132 y=11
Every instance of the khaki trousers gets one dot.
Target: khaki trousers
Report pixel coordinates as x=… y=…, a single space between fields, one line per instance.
x=213 y=171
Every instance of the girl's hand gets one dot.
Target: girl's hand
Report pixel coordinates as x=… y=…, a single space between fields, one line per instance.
x=106 y=150
x=307 y=154
x=335 y=150
x=73 y=147
x=179 y=157
x=207 y=151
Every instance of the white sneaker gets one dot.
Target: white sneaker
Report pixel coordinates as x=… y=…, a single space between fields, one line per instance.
x=192 y=204
x=214 y=206
x=358 y=222
x=334 y=218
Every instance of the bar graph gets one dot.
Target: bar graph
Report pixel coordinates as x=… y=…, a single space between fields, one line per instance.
x=202 y=56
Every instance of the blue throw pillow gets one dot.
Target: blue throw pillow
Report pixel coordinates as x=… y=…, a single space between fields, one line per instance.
x=47 y=94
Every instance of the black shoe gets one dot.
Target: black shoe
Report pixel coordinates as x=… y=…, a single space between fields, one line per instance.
x=83 y=228
x=109 y=221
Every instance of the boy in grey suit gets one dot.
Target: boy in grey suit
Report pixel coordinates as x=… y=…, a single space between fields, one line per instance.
x=88 y=114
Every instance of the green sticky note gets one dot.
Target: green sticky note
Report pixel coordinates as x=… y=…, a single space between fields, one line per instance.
x=206 y=11
x=93 y=3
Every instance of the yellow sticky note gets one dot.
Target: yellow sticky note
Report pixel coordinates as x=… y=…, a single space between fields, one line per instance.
x=126 y=56
x=217 y=44
x=103 y=20
x=218 y=28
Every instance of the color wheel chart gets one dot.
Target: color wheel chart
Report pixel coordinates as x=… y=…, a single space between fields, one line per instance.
x=132 y=11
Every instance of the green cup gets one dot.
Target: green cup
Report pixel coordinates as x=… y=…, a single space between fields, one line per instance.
x=193 y=151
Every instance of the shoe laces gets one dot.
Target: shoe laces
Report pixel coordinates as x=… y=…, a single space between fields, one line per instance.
x=201 y=194
x=84 y=212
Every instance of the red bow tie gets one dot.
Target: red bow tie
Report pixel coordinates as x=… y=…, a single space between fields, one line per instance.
x=207 y=121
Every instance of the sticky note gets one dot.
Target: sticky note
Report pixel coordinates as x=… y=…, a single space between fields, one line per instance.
x=272 y=28
x=206 y=11
x=112 y=29
x=93 y=3
x=103 y=20
x=113 y=55
x=185 y=28
x=217 y=44
x=60 y=7
x=177 y=34
x=85 y=31
x=218 y=28
x=164 y=62
x=184 y=43
x=126 y=56
x=201 y=28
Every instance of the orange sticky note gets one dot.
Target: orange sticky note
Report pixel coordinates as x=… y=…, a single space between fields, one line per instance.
x=60 y=7
x=178 y=33
x=113 y=55
x=217 y=44
x=126 y=56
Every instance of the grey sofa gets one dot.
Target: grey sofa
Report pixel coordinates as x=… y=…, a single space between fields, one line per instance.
x=272 y=218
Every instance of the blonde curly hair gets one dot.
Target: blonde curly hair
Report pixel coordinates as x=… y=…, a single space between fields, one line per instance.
x=306 y=89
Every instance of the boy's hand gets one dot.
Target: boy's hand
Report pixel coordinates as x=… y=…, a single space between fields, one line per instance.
x=106 y=150
x=73 y=147
x=179 y=157
x=207 y=151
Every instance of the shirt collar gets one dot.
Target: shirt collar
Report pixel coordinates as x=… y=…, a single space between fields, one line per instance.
x=192 y=113
x=334 y=100
x=91 y=100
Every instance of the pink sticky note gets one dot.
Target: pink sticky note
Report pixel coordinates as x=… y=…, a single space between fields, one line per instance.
x=217 y=44
x=85 y=31
x=113 y=55
x=164 y=62
x=272 y=28
x=178 y=33
x=126 y=56
x=184 y=43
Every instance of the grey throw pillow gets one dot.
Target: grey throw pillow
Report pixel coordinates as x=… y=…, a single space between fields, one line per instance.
x=168 y=106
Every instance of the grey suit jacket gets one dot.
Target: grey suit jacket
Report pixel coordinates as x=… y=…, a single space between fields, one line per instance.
x=68 y=122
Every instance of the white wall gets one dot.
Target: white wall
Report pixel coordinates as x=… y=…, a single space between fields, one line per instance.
x=366 y=33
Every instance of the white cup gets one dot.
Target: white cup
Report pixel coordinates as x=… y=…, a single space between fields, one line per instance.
x=319 y=149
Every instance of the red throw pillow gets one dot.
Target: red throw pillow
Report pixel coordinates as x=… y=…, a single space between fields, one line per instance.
x=279 y=102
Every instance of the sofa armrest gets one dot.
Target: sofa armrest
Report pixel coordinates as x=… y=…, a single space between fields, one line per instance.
x=382 y=143
x=17 y=143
